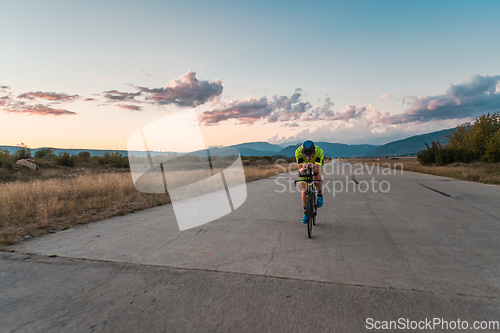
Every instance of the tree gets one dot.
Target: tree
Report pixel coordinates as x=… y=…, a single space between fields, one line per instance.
x=481 y=133
x=22 y=152
x=493 y=153
x=468 y=143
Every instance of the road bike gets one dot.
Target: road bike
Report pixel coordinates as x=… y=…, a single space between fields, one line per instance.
x=311 y=198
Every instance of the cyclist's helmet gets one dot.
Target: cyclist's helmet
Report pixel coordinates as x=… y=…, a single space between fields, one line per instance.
x=308 y=148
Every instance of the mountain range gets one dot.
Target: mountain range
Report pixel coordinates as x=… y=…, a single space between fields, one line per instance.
x=406 y=147
x=409 y=146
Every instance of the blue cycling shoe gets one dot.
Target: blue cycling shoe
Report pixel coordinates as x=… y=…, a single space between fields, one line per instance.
x=320 y=202
x=304 y=219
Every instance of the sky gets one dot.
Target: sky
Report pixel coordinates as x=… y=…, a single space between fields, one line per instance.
x=88 y=74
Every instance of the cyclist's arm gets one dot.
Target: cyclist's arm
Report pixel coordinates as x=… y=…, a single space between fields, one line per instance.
x=300 y=160
x=319 y=158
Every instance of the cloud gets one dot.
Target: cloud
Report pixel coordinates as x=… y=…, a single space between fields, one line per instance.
x=19 y=105
x=477 y=96
x=320 y=113
x=246 y=111
x=290 y=125
x=326 y=113
x=185 y=91
x=350 y=112
x=251 y=109
x=115 y=95
x=374 y=117
x=51 y=96
x=322 y=132
x=38 y=109
x=4 y=100
x=384 y=96
x=129 y=107
x=357 y=133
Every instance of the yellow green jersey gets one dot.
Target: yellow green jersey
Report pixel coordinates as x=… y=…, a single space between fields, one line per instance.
x=317 y=158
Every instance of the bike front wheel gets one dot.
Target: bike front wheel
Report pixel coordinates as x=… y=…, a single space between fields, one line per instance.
x=310 y=214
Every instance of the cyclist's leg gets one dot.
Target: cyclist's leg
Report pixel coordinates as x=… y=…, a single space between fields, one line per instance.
x=319 y=185
x=317 y=176
x=304 y=195
x=304 y=198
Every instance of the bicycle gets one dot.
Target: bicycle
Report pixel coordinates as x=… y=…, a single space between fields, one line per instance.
x=312 y=198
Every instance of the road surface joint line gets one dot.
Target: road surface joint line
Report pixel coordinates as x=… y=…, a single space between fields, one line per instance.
x=430 y=188
x=41 y=259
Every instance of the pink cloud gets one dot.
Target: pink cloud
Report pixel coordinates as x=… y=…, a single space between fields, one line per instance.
x=187 y=91
x=51 y=96
x=129 y=107
x=251 y=109
x=38 y=109
x=115 y=95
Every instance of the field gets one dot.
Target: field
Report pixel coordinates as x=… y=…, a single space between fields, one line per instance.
x=488 y=173
x=33 y=203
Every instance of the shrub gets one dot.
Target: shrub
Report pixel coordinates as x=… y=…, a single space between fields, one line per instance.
x=65 y=159
x=428 y=155
x=115 y=159
x=45 y=153
x=6 y=160
x=84 y=156
x=445 y=156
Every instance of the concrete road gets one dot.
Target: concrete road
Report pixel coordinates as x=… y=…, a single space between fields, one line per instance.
x=386 y=246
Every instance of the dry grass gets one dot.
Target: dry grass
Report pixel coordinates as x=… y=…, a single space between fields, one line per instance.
x=254 y=172
x=479 y=172
x=47 y=205
x=37 y=206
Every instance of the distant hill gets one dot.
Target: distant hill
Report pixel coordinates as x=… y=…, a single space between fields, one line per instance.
x=406 y=147
x=333 y=149
x=260 y=146
x=230 y=151
x=409 y=146
x=245 y=149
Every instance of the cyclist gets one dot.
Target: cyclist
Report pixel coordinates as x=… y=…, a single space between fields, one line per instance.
x=310 y=155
